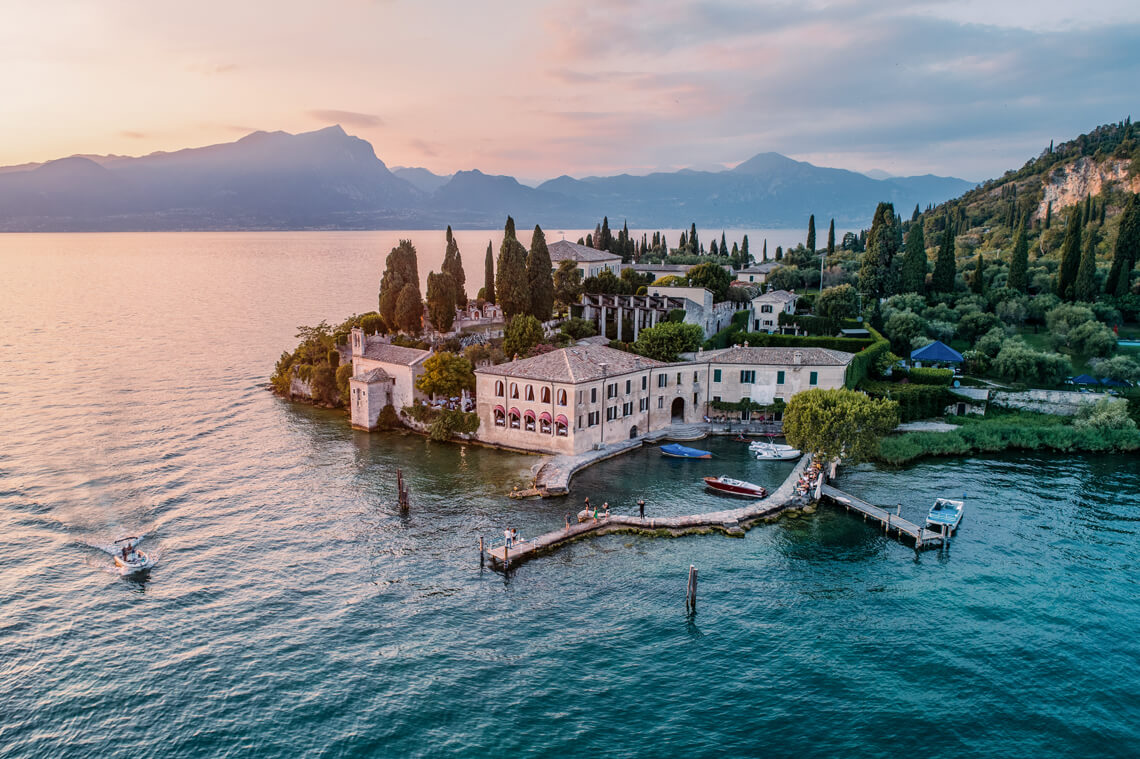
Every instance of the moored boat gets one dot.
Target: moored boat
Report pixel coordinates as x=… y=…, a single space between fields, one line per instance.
x=730 y=486
x=775 y=453
x=945 y=515
x=682 y=452
x=768 y=444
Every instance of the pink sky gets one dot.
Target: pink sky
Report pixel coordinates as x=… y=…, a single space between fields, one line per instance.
x=542 y=88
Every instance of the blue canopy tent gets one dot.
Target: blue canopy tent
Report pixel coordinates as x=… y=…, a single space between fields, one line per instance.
x=1114 y=383
x=936 y=353
x=1084 y=379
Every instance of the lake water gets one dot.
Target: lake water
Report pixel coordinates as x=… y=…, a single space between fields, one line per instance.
x=293 y=611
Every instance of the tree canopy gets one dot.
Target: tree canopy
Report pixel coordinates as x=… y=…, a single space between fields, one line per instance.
x=667 y=340
x=567 y=284
x=1070 y=256
x=944 y=266
x=511 y=286
x=1126 y=251
x=838 y=424
x=914 y=261
x=522 y=334
x=400 y=269
x=489 y=275
x=877 y=274
x=453 y=265
x=539 y=277
x=410 y=310
x=712 y=277
x=441 y=300
x=1019 y=261
x=446 y=375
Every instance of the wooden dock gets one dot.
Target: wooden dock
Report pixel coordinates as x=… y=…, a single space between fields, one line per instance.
x=890 y=522
x=729 y=521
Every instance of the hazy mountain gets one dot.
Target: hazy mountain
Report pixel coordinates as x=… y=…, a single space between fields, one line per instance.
x=422 y=179
x=878 y=174
x=328 y=179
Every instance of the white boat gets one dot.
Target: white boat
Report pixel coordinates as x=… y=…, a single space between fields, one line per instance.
x=128 y=558
x=771 y=453
x=756 y=444
x=945 y=515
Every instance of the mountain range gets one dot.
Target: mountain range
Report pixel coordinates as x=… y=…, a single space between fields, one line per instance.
x=328 y=179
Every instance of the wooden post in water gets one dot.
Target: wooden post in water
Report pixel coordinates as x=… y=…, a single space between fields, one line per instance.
x=480 y=550
x=887 y=525
x=401 y=491
x=691 y=591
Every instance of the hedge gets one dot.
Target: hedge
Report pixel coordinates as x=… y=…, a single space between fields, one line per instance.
x=915 y=401
x=865 y=359
x=763 y=339
x=813 y=325
x=928 y=376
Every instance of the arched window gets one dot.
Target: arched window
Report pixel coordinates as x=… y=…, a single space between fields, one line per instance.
x=514 y=418
x=514 y=390
x=500 y=388
x=528 y=420
x=545 y=395
x=530 y=392
x=560 y=428
x=500 y=417
x=544 y=422
x=561 y=397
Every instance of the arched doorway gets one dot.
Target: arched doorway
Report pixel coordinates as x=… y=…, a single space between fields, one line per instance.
x=678 y=409
x=633 y=432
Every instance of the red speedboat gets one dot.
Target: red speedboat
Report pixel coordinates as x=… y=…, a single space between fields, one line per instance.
x=730 y=486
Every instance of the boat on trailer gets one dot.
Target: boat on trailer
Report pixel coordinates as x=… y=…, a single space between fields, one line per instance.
x=945 y=515
x=729 y=486
x=682 y=452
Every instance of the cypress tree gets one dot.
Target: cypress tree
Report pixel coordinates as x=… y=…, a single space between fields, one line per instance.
x=441 y=300
x=944 y=265
x=489 y=275
x=978 y=283
x=694 y=243
x=1126 y=252
x=811 y=233
x=604 y=239
x=745 y=256
x=913 y=217
x=540 y=276
x=914 y=261
x=1084 y=288
x=1048 y=213
x=831 y=237
x=410 y=309
x=1070 y=255
x=400 y=270
x=779 y=252
x=876 y=273
x=453 y=265
x=723 y=245
x=1087 y=211
x=1019 y=261
x=713 y=249
x=511 y=281
x=735 y=257
x=764 y=253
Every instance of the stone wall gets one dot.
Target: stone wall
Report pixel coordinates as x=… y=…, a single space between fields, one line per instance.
x=299 y=388
x=1059 y=402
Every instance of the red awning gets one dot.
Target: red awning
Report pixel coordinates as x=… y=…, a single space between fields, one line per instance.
x=562 y=420
x=544 y=416
x=514 y=412
x=528 y=414
x=500 y=410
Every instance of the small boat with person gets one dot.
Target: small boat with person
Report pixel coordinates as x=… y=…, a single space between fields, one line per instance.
x=128 y=558
x=775 y=452
x=729 y=486
x=682 y=452
x=945 y=515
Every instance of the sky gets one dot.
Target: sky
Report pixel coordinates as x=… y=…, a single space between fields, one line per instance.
x=539 y=88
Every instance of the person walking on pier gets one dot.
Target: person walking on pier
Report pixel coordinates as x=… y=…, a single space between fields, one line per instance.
x=641 y=507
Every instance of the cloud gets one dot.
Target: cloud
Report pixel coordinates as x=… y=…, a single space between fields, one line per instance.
x=133 y=134
x=346 y=118
x=424 y=148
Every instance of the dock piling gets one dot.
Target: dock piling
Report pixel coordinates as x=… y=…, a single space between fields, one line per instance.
x=480 y=550
x=691 y=591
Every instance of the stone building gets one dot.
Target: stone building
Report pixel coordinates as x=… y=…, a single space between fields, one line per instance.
x=590 y=262
x=766 y=309
x=700 y=308
x=756 y=274
x=575 y=399
x=382 y=374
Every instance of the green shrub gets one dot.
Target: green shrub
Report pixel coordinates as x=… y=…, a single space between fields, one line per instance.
x=922 y=376
x=915 y=401
x=866 y=359
x=343 y=375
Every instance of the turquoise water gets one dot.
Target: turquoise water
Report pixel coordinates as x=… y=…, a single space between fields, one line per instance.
x=293 y=611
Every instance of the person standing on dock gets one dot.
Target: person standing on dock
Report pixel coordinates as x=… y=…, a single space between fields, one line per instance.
x=641 y=507
x=507 y=537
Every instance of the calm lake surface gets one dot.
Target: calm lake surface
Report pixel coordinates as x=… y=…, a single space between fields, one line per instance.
x=293 y=611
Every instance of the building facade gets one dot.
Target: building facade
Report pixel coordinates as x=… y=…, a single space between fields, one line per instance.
x=575 y=399
x=382 y=374
x=590 y=262
x=766 y=309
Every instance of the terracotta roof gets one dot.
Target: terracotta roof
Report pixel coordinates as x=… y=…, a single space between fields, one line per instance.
x=738 y=354
x=781 y=295
x=581 y=363
x=564 y=250
x=373 y=375
x=394 y=354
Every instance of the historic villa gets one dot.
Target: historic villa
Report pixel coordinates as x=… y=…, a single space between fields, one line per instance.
x=583 y=397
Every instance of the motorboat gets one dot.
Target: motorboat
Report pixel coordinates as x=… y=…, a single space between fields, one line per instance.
x=945 y=515
x=730 y=486
x=775 y=453
x=681 y=452
x=128 y=558
x=767 y=444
